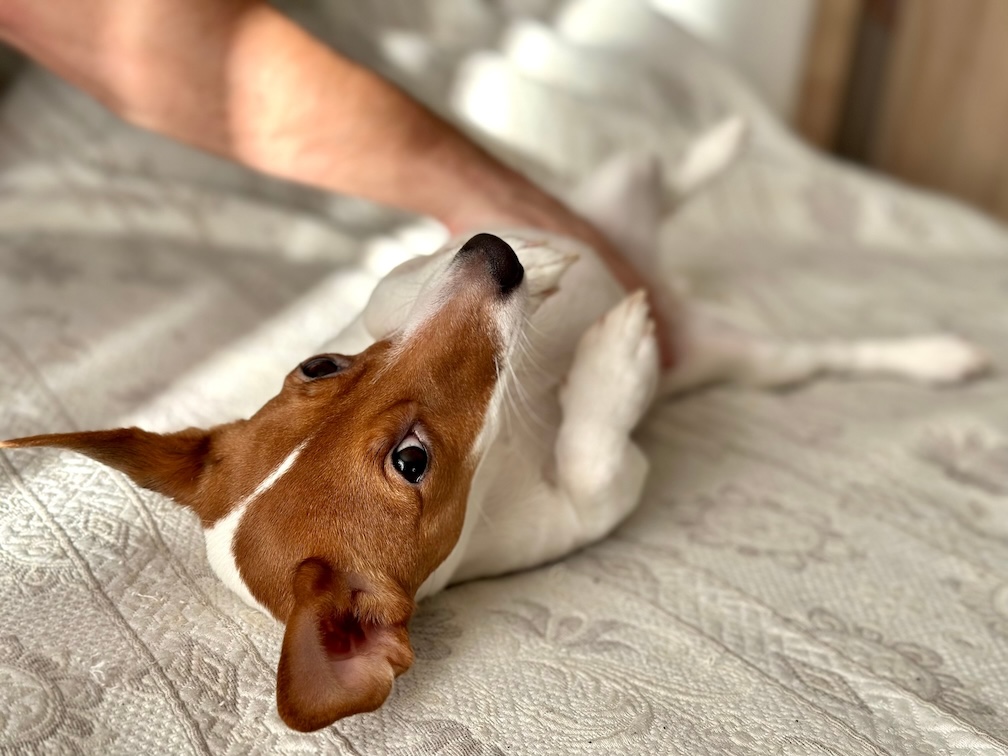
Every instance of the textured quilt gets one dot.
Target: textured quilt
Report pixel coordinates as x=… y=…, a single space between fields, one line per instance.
x=822 y=571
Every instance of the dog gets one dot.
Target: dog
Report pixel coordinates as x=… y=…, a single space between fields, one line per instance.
x=475 y=419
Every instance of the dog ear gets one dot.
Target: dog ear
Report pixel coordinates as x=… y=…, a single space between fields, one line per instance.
x=333 y=662
x=170 y=464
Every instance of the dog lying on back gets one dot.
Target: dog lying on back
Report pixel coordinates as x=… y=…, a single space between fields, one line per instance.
x=474 y=420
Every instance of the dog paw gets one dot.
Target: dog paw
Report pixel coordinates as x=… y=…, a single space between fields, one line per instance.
x=939 y=360
x=614 y=374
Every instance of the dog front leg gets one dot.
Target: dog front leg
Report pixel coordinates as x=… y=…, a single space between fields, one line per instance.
x=611 y=383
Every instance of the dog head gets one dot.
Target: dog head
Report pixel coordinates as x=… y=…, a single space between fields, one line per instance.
x=333 y=503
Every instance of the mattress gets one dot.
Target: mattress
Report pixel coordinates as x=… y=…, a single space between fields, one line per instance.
x=818 y=571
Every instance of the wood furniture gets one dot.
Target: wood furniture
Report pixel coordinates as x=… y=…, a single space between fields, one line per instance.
x=916 y=88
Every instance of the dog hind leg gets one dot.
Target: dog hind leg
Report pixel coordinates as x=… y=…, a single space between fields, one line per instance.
x=711 y=352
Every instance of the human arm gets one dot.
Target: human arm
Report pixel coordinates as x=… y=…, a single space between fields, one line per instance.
x=239 y=79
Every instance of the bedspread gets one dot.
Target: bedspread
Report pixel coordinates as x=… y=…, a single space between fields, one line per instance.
x=819 y=571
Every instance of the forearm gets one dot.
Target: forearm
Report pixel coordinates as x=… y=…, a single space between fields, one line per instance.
x=238 y=79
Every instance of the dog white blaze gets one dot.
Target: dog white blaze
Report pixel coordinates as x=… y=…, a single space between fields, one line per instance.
x=220 y=538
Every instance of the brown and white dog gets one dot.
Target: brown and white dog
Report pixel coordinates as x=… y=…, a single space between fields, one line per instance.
x=426 y=445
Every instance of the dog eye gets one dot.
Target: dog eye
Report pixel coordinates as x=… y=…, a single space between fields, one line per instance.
x=319 y=367
x=410 y=459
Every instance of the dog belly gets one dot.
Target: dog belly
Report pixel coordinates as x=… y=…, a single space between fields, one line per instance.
x=518 y=485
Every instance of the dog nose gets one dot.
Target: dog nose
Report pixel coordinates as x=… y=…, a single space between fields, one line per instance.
x=497 y=258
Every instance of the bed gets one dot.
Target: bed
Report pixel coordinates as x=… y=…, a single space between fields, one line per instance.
x=819 y=571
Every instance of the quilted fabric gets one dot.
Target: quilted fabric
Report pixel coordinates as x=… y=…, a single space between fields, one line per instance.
x=823 y=571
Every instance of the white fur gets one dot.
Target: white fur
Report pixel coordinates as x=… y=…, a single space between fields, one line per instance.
x=220 y=538
x=715 y=351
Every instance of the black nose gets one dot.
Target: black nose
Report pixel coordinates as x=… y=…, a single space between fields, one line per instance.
x=497 y=257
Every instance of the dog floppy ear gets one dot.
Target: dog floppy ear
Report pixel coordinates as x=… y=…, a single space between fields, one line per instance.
x=171 y=463
x=333 y=662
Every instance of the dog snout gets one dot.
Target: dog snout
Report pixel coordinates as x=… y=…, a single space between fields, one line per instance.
x=495 y=257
